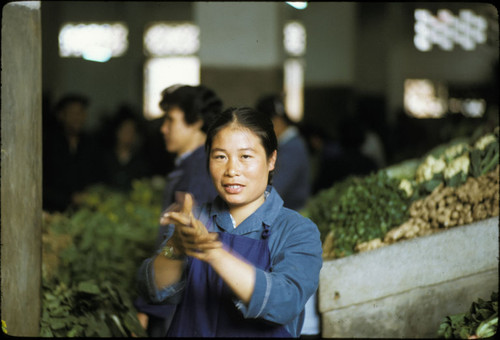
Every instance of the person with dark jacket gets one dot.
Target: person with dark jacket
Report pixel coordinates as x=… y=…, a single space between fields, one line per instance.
x=350 y=161
x=292 y=176
x=70 y=155
x=124 y=159
x=189 y=110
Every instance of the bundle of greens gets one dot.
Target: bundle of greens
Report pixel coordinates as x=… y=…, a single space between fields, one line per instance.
x=485 y=154
x=448 y=165
x=454 y=162
x=90 y=259
x=356 y=210
x=481 y=321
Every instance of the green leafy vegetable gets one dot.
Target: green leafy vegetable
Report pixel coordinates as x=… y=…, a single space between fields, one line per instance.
x=359 y=209
x=481 y=321
x=89 y=289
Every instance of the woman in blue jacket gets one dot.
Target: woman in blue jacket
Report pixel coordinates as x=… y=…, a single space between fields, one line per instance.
x=189 y=110
x=242 y=265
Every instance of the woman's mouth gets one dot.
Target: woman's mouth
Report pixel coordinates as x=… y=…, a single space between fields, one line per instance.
x=233 y=188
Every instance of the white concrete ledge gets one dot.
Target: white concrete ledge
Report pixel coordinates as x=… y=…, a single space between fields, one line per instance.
x=383 y=292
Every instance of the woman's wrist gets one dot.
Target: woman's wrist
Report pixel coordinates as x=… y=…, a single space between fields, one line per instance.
x=169 y=251
x=214 y=255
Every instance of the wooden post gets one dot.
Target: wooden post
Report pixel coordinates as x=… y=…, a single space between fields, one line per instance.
x=21 y=176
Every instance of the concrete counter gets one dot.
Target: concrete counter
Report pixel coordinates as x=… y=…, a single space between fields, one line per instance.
x=405 y=289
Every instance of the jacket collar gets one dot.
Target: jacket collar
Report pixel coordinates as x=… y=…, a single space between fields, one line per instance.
x=265 y=214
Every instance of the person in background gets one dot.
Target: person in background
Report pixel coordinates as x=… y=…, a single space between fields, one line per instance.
x=189 y=110
x=70 y=155
x=292 y=176
x=242 y=265
x=124 y=158
x=350 y=160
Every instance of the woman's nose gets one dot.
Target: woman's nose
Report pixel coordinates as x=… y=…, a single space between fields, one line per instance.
x=232 y=168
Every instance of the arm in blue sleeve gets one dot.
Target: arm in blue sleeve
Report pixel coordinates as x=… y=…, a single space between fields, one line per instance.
x=147 y=288
x=281 y=294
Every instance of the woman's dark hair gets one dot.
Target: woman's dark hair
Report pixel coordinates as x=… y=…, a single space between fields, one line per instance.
x=251 y=119
x=197 y=102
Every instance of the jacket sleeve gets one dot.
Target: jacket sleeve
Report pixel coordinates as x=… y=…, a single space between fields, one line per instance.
x=281 y=294
x=147 y=288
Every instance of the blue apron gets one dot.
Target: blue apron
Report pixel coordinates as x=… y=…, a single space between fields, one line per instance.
x=207 y=308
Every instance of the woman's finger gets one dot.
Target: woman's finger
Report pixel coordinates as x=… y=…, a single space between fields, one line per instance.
x=175 y=218
x=187 y=204
x=209 y=245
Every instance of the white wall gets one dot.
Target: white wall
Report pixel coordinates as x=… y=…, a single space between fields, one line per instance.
x=331 y=37
x=239 y=34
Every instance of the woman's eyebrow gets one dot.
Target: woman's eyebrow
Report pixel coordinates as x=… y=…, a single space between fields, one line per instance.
x=246 y=149
x=240 y=149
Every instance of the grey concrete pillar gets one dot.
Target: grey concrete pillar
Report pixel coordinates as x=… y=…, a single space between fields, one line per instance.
x=21 y=176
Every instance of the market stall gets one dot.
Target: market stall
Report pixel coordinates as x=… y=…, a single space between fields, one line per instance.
x=407 y=246
x=403 y=248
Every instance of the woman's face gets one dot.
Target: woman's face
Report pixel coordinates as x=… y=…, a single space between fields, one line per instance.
x=239 y=167
x=177 y=133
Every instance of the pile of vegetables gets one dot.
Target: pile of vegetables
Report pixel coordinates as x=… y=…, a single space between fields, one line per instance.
x=451 y=164
x=475 y=200
x=481 y=321
x=90 y=259
x=455 y=184
x=357 y=210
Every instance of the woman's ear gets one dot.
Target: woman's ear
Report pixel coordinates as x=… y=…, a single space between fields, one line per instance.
x=272 y=160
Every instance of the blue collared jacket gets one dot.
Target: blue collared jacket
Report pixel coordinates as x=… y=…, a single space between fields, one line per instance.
x=296 y=258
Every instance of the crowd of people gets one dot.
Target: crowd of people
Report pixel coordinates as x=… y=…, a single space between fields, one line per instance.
x=233 y=255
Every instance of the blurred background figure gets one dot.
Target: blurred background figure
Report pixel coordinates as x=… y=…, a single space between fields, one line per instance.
x=350 y=160
x=291 y=179
x=189 y=110
x=70 y=155
x=321 y=146
x=292 y=175
x=124 y=158
x=160 y=160
x=370 y=111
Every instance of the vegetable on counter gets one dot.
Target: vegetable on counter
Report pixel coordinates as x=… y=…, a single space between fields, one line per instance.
x=356 y=210
x=481 y=321
x=89 y=261
x=475 y=200
x=455 y=184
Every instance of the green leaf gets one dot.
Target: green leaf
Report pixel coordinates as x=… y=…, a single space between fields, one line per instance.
x=132 y=324
x=432 y=184
x=46 y=332
x=88 y=287
x=57 y=324
x=77 y=330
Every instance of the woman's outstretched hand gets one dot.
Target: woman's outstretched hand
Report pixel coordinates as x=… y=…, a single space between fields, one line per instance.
x=190 y=236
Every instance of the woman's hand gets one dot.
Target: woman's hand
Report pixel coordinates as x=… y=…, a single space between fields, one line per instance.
x=193 y=238
x=190 y=236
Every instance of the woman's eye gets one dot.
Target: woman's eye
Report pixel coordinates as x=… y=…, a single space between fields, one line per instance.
x=219 y=156
x=246 y=156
